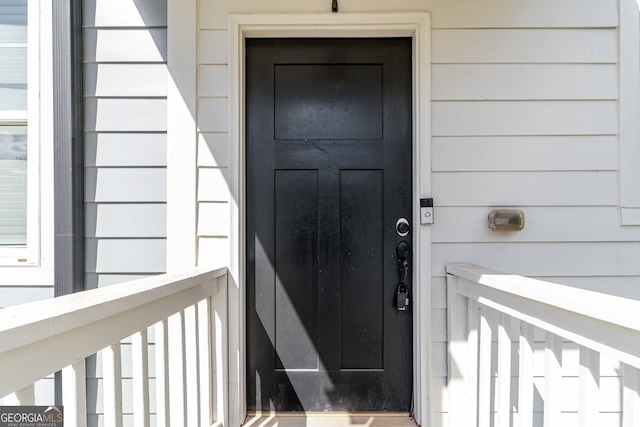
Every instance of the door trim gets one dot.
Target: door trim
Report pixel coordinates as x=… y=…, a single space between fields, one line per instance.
x=416 y=25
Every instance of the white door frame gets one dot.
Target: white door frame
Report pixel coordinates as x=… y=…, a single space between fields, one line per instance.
x=416 y=25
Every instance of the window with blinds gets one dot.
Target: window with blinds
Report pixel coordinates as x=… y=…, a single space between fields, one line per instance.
x=13 y=123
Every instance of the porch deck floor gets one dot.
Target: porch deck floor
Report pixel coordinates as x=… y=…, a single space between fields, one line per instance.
x=329 y=420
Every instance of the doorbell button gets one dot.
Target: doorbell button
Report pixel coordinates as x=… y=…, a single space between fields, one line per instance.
x=426 y=211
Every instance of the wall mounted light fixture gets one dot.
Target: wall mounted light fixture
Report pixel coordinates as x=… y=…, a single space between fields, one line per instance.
x=506 y=220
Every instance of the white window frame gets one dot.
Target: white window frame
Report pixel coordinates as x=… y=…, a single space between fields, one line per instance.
x=32 y=264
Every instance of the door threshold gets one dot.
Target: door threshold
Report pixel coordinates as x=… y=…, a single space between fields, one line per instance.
x=332 y=419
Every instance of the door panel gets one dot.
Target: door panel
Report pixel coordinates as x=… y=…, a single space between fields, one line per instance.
x=362 y=275
x=296 y=246
x=328 y=102
x=328 y=142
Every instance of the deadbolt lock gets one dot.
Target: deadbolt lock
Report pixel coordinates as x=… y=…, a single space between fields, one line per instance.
x=402 y=227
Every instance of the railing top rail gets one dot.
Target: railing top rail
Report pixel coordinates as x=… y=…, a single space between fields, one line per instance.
x=91 y=305
x=71 y=327
x=604 y=323
x=609 y=308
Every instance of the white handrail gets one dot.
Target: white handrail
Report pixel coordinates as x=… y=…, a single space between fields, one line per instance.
x=43 y=337
x=484 y=305
x=581 y=301
x=605 y=323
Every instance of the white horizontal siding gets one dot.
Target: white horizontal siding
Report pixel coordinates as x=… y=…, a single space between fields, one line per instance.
x=478 y=118
x=14 y=295
x=439 y=293
x=214 y=219
x=445 y=14
x=125 y=80
x=524 y=46
x=213 y=114
x=543 y=259
x=213 y=149
x=126 y=220
x=212 y=47
x=213 y=185
x=126 y=185
x=525 y=188
x=125 y=149
x=95 y=280
x=542 y=224
x=213 y=251
x=528 y=153
x=213 y=80
x=213 y=143
x=125 y=115
x=524 y=81
x=125 y=13
x=142 y=45
x=126 y=255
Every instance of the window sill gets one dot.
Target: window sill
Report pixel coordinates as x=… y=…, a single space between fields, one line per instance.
x=17 y=257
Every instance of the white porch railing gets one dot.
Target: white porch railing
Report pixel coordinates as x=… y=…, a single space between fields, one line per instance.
x=493 y=320
x=188 y=312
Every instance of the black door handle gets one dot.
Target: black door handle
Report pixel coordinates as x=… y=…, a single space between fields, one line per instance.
x=402 y=250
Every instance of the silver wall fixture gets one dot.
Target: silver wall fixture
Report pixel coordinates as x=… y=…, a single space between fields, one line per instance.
x=506 y=220
x=426 y=211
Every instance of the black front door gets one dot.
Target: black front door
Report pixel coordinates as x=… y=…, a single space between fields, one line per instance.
x=328 y=176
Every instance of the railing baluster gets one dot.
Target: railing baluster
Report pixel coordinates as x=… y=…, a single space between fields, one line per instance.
x=191 y=365
x=162 y=373
x=220 y=355
x=177 y=380
x=503 y=383
x=26 y=396
x=473 y=321
x=552 y=380
x=458 y=366
x=589 y=402
x=484 y=368
x=631 y=396
x=74 y=394
x=140 y=364
x=525 y=376
x=206 y=374
x=112 y=373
